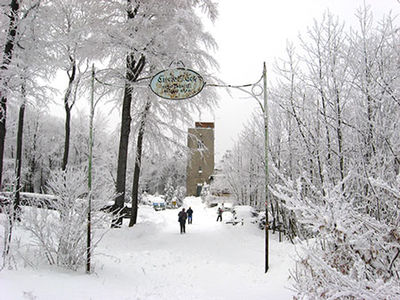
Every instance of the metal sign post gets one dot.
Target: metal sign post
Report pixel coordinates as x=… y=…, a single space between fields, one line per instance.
x=89 y=212
x=266 y=167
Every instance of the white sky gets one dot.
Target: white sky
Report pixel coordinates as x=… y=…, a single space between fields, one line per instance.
x=253 y=31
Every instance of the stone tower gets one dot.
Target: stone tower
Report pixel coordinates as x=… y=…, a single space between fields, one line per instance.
x=201 y=157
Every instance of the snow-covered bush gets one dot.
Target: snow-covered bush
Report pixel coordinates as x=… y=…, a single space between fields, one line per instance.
x=6 y=227
x=169 y=191
x=179 y=195
x=244 y=214
x=60 y=235
x=174 y=193
x=353 y=255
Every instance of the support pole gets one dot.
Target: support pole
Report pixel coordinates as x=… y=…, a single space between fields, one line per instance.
x=266 y=168
x=89 y=214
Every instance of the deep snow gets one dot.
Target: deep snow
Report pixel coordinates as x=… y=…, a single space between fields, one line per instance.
x=153 y=260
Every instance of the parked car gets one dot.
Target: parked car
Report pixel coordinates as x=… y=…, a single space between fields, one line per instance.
x=159 y=206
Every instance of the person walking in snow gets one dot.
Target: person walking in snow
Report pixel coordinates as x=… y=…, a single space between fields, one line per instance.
x=182 y=220
x=190 y=214
x=220 y=211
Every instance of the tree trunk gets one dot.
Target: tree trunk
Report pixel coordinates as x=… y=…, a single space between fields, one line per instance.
x=317 y=150
x=7 y=57
x=133 y=71
x=122 y=156
x=339 y=133
x=68 y=107
x=32 y=162
x=325 y=116
x=67 y=137
x=18 y=159
x=138 y=162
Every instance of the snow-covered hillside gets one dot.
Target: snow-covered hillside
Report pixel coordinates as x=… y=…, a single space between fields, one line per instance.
x=153 y=260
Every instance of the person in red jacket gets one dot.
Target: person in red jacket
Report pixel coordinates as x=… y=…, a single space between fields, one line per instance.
x=182 y=220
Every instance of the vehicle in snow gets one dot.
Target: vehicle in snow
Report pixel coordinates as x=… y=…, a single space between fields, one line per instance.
x=159 y=206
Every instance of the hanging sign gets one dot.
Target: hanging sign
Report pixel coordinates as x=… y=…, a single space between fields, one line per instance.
x=177 y=84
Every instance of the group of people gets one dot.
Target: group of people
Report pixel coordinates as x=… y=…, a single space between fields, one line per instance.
x=183 y=215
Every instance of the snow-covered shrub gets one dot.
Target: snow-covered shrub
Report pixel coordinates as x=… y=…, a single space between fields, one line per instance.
x=60 y=234
x=146 y=199
x=316 y=279
x=174 y=194
x=179 y=195
x=244 y=214
x=353 y=255
x=169 y=191
x=6 y=226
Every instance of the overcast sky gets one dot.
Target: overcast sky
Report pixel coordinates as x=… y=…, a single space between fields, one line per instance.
x=253 y=31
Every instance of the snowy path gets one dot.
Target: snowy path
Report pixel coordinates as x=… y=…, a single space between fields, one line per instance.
x=154 y=261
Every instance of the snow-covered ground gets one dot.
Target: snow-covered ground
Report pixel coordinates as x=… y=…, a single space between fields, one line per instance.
x=153 y=260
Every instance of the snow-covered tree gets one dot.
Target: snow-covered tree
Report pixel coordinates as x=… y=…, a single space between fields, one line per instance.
x=7 y=55
x=161 y=166
x=343 y=189
x=243 y=165
x=334 y=167
x=150 y=36
x=70 y=42
x=59 y=234
x=169 y=191
x=21 y=18
x=179 y=195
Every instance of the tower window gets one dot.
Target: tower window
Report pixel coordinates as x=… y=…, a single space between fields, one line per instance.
x=200 y=145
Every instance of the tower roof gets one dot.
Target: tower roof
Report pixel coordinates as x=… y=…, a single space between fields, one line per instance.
x=204 y=124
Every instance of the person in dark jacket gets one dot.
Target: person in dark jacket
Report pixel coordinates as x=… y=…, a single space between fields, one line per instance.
x=190 y=214
x=220 y=211
x=182 y=220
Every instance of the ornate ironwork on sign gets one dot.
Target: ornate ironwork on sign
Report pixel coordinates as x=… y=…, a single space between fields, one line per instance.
x=177 y=84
